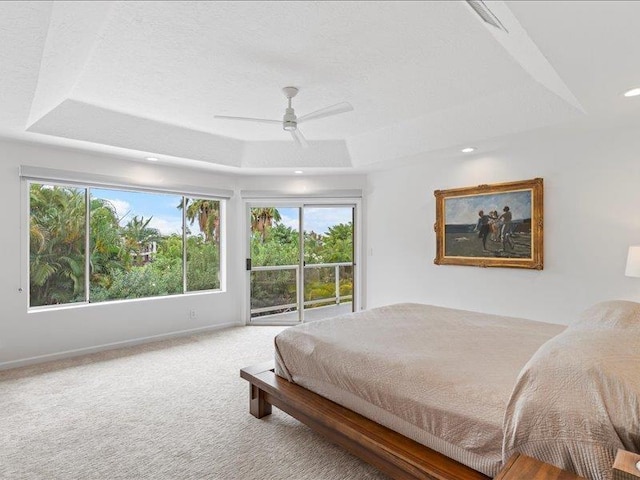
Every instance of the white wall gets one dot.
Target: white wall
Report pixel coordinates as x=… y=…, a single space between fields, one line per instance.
x=592 y=200
x=592 y=215
x=27 y=337
x=300 y=184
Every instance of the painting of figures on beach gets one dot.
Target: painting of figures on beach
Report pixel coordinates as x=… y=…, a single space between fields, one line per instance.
x=491 y=225
x=495 y=225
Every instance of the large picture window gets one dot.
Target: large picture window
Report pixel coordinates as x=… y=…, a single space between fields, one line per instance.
x=135 y=244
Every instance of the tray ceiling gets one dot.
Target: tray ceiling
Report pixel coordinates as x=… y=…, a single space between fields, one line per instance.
x=148 y=77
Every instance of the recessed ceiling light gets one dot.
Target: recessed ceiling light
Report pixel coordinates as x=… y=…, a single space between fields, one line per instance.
x=151 y=159
x=468 y=150
x=634 y=92
x=298 y=172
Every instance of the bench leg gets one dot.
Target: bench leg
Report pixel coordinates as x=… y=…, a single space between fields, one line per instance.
x=258 y=406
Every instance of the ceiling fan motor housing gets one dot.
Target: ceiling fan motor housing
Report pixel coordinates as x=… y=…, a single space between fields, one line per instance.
x=289 y=121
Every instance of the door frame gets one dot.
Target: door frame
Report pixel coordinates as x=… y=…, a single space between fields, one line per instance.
x=301 y=203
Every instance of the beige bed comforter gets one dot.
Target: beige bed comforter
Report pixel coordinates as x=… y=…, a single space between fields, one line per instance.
x=578 y=399
x=440 y=376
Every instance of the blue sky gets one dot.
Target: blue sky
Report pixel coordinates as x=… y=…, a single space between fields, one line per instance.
x=317 y=219
x=464 y=210
x=167 y=218
x=162 y=207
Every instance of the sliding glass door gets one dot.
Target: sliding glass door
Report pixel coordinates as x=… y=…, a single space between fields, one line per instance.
x=301 y=262
x=274 y=264
x=328 y=261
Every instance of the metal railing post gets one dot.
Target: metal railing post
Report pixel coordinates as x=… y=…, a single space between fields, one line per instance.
x=300 y=298
x=337 y=284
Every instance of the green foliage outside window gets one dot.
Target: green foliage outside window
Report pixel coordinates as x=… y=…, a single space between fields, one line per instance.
x=275 y=244
x=125 y=261
x=122 y=264
x=57 y=244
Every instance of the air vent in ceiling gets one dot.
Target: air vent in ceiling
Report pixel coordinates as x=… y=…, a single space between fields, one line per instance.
x=487 y=15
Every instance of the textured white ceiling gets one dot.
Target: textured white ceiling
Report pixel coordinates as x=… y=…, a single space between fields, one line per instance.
x=23 y=32
x=593 y=46
x=148 y=77
x=182 y=63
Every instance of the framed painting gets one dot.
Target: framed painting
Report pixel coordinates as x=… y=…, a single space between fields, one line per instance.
x=499 y=225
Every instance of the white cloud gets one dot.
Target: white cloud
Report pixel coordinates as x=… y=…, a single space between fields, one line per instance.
x=289 y=221
x=125 y=212
x=123 y=209
x=167 y=226
x=318 y=219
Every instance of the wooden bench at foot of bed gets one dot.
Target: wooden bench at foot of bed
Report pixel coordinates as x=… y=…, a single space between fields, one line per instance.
x=396 y=455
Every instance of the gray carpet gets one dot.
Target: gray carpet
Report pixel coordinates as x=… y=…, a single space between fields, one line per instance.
x=169 y=410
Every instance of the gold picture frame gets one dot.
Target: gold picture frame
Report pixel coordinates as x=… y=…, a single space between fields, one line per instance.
x=499 y=225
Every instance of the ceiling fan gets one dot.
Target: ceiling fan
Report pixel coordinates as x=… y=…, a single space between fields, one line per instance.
x=290 y=122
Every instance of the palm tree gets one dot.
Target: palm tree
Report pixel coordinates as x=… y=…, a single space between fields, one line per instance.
x=108 y=250
x=138 y=236
x=262 y=219
x=57 y=244
x=207 y=212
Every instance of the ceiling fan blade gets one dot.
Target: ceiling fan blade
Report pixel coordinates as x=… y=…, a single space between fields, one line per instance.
x=327 y=111
x=259 y=120
x=299 y=138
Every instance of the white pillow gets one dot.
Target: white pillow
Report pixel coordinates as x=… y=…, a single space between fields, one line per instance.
x=610 y=314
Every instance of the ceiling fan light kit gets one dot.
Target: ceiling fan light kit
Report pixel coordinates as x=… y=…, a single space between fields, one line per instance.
x=290 y=121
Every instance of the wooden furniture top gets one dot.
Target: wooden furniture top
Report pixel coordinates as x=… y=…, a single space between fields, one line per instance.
x=626 y=465
x=521 y=467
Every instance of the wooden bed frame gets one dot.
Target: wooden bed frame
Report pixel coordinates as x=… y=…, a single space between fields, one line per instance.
x=396 y=455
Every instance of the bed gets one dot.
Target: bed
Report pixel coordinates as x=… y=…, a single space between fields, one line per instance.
x=430 y=392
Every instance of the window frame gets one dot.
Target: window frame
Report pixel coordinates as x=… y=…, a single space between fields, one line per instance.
x=50 y=177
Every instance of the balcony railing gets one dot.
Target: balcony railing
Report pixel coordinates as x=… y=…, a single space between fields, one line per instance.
x=335 y=298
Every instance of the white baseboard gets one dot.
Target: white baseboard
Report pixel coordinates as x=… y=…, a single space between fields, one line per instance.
x=23 y=362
